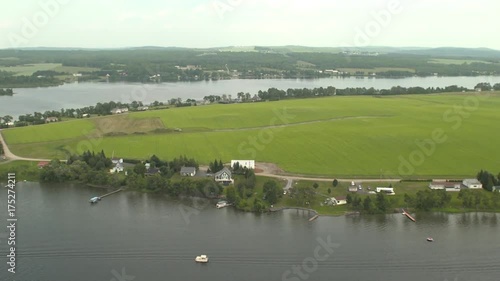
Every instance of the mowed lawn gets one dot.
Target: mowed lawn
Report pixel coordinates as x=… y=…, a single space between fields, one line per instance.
x=48 y=132
x=399 y=136
x=251 y=115
x=29 y=69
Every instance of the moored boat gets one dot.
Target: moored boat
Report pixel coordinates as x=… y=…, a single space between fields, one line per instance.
x=221 y=204
x=201 y=259
x=430 y=239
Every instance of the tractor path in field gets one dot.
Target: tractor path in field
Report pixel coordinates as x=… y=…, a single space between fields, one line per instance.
x=11 y=156
x=271 y=126
x=273 y=171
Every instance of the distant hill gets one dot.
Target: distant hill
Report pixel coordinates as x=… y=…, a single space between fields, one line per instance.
x=433 y=52
x=455 y=52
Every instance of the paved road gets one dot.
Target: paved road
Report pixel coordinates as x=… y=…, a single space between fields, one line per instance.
x=11 y=156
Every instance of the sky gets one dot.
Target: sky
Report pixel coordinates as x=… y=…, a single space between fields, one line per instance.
x=218 y=23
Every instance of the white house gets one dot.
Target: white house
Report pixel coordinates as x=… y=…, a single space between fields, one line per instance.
x=446 y=185
x=224 y=176
x=118 y=167
x=340 y=200
x=188 y=171
x=51 y=119
x=352 y=188
x=249 y=164
x=472 y=184
x=387 y=190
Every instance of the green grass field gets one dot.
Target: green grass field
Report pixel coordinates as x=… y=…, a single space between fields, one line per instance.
x=29 y=69
x=336 y=136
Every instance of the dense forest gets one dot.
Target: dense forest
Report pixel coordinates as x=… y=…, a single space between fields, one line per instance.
x=6 y=92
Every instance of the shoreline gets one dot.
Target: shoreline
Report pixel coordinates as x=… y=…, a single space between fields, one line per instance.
x=316 y=213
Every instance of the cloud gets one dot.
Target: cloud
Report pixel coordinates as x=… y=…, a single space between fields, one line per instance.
x=5 y=24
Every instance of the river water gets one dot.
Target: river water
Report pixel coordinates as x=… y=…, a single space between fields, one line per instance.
x=133 y=236
x=76 y=95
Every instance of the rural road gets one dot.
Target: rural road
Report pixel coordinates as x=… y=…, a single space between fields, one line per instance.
x=9 y=155
x=272 y=170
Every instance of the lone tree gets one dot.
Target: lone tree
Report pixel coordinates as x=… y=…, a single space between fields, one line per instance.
x=329 y=190
x=335 y=183
x=315 y=185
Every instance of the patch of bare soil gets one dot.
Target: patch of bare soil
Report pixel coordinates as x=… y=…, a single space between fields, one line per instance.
x=123 y=124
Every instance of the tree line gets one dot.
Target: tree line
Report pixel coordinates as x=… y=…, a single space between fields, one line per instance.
x=488 y=180
x=6 y=92
x=10 y=80
x=93 y=168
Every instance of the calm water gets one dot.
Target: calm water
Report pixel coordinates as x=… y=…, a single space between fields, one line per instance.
x=61 y=237
x=84 y=94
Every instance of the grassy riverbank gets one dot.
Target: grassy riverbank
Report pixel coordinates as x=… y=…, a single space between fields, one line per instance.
x=24 y=170
x=489 y=202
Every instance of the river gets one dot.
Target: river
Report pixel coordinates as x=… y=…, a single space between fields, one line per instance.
x=76 y=95
x=135 y=236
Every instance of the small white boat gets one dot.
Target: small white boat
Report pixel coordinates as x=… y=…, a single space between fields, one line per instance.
x=430 y=239
x=202 y=259
x=94 y=199
x=221 y=204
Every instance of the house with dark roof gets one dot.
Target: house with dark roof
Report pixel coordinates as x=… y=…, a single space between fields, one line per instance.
x=152 y=171
x=188 y=171
x=224 y=176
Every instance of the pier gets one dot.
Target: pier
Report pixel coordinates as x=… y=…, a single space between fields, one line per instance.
x=96 y=199
x=408 y=216
x=111 y=193
x=313 y=218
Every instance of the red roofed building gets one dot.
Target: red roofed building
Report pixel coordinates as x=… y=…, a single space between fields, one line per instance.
x=42 y=164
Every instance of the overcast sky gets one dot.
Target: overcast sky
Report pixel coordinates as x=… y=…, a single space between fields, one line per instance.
x=216 y=23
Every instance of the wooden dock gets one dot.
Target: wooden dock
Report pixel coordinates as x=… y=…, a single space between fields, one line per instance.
x=408 y=216
x=111 y=193
x=313 y=218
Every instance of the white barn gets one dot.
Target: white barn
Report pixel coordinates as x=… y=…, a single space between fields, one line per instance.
x=249 y=164
x=472 y=183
